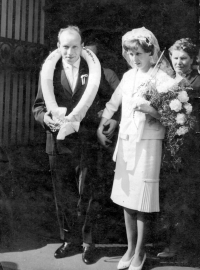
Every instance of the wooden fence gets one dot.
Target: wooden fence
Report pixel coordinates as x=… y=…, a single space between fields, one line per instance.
x=22 y=50
x=23 y=20
x=17 y=94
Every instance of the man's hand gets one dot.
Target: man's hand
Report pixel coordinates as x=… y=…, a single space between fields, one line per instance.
x=110 y=126
x=104 y=141
x=49 y=122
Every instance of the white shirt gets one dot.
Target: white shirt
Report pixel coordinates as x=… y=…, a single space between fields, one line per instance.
x=71 y=72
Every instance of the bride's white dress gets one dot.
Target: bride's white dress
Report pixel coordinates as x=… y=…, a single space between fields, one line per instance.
x=136 y=179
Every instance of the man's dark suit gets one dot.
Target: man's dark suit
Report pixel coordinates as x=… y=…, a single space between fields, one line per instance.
x=73 y=160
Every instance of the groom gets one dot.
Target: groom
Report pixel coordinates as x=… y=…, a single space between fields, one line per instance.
x=72 y=160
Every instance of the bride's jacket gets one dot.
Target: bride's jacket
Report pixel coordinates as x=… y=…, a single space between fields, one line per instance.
x=123 y=95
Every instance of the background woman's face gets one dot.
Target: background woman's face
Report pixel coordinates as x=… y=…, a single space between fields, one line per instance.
x=181 y=61
x=140 y=58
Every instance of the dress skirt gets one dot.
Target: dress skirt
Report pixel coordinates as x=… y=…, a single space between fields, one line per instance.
x=138 y=189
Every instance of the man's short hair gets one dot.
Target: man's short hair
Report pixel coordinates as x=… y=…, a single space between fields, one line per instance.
x=94 y=42
x=70 y=27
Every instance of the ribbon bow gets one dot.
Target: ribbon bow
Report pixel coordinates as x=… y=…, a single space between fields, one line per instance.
x=66 y=127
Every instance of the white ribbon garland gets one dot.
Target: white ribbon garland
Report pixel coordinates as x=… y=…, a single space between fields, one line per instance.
x=71 y=122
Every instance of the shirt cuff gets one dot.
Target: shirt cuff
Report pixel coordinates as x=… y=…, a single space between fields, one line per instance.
x=107 y=114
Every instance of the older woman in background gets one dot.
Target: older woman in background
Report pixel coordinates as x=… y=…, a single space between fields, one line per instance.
x=183 y=53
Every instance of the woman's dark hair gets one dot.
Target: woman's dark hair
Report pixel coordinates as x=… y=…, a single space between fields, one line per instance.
x=146 y=45
x=186 y=45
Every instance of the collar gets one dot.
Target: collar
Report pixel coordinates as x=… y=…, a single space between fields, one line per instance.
x=75 y=65
x=187 y=74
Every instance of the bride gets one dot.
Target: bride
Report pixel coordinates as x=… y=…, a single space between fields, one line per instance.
x=139 y=147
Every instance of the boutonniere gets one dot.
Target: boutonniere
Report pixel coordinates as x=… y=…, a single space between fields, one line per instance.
x=83 y=78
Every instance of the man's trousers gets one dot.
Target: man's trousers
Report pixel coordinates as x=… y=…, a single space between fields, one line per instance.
x=75 y=185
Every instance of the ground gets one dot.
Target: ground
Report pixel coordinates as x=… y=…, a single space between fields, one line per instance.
x=29 y=232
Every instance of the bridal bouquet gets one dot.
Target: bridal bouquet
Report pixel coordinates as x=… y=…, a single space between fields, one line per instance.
x=175 y=111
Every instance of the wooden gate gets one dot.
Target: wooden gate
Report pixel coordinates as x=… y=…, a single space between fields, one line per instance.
x=22 y=50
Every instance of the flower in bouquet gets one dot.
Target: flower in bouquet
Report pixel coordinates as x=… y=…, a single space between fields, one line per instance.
x=180 y=118
x=183 y=96
x=182 y=130
x=188 y=108
x=175 y=105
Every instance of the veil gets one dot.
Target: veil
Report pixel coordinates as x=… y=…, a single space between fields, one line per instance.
x=147 y=36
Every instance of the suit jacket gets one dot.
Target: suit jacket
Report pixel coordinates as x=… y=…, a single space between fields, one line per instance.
x=66 y=98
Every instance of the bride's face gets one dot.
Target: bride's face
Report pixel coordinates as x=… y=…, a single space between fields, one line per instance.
x=140 y=58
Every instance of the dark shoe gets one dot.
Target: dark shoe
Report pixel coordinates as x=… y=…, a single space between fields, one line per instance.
x=88 y=255
x=65 y=250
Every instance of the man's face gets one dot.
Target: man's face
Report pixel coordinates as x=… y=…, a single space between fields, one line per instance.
x=70 y=46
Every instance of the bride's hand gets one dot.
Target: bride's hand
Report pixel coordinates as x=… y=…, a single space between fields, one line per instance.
x=104 y=141
x=148 y=109
x=144 y=108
